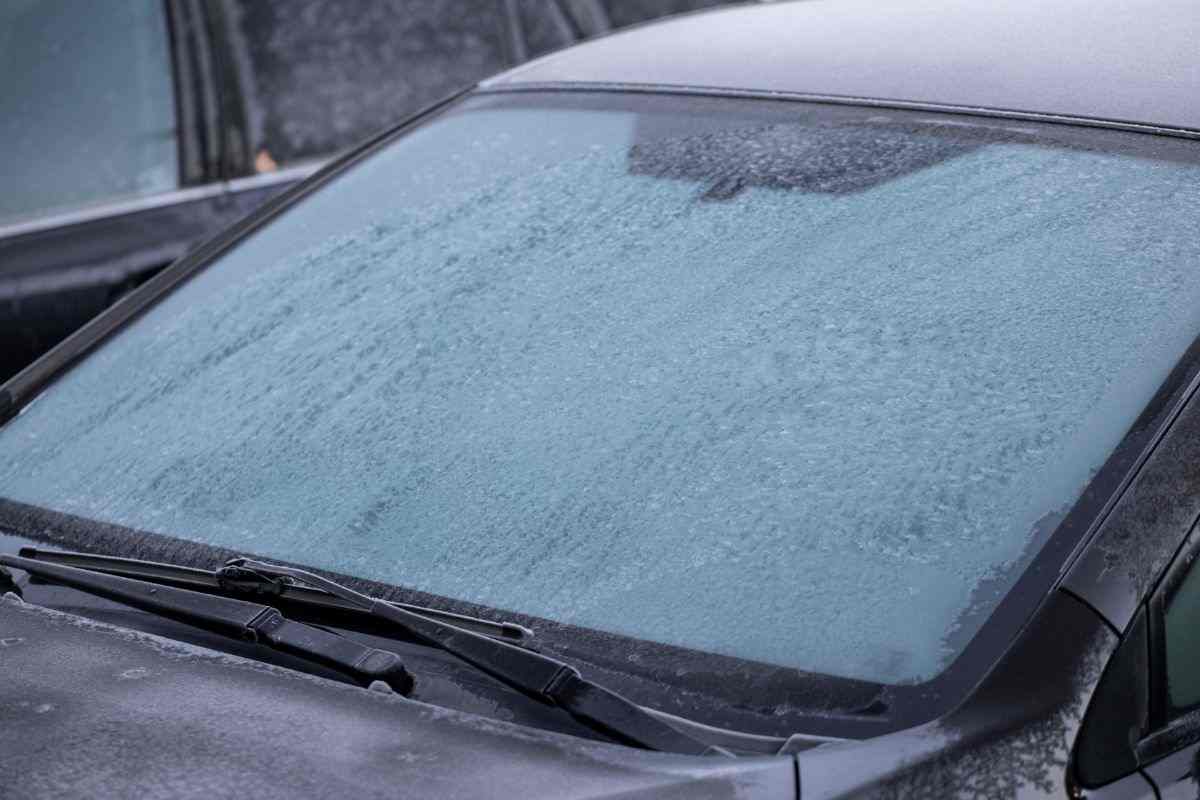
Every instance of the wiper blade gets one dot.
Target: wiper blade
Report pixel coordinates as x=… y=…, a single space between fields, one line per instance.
x=191 y=577
x=535 y=674
x=468 y=638
x=239 y=619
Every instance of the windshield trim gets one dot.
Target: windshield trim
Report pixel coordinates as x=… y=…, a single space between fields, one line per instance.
x=487 y=87
x=898 y=707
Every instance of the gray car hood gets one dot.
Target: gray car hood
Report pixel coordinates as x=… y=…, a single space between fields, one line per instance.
x=89 y=709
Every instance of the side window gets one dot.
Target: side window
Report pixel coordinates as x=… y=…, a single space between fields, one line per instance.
x=87 y=110
x=1181 y=640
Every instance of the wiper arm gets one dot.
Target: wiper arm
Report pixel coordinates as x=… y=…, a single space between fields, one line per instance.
x=239 y=619
x=540 y=676
x=532 y=673
x=189 y=577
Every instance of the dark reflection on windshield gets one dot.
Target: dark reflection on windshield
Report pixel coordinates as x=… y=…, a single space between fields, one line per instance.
x=822 y=158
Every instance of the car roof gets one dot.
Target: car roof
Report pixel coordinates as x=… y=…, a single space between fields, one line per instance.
x=1125 y=62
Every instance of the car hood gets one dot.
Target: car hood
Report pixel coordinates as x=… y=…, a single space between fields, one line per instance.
x=90 y=709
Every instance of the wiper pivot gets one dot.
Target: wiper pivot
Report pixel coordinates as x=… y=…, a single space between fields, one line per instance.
x=231 y=617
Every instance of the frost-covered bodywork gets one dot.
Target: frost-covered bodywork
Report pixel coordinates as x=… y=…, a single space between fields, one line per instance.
x=95 y=710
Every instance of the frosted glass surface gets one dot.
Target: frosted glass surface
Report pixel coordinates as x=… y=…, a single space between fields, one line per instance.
x=87 y=109
x=795 y=401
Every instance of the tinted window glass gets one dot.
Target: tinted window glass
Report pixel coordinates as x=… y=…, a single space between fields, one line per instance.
x=630 y=12
x=86 y=104
x=801 y=385
x=1182 y=628
x=546 y=26
x=324 y=74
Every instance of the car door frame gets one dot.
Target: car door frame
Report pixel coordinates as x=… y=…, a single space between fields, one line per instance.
x=1150 y=532
x=1170 y=750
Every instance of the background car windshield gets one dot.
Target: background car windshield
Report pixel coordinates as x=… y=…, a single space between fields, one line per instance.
x=799 y=385
x=87 y=113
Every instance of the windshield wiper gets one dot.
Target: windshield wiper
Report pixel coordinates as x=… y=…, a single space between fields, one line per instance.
x=539 y=676
x=226 y=582
x=238 y=619
x=535 y=674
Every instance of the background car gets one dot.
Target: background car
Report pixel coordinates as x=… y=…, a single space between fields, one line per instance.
x=129 y=136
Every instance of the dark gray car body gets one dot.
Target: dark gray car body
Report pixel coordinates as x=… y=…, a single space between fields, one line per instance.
x=1007 y=730
x=95 y=710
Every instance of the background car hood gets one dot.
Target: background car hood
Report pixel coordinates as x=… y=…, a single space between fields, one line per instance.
x=90 y=709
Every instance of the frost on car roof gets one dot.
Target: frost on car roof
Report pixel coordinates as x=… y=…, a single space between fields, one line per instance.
x=507 y=362
x=1134 y=63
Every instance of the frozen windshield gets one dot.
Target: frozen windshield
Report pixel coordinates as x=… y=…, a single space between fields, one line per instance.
x=793 y=384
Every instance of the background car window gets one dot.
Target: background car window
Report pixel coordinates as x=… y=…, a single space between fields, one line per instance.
x=1182 y=630
x=545 y=26
x=631 y=12
x=801 y=385
x=86 y=105
x=322 y=74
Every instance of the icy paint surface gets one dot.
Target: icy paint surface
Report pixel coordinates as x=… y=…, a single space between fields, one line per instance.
x=198 y=723
x=789 y=419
